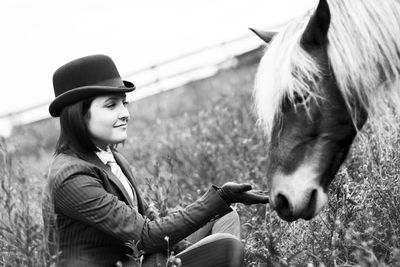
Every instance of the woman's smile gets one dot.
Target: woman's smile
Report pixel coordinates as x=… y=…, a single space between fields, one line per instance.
x=121 y=126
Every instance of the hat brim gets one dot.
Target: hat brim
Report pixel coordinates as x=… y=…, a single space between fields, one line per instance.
x=80 y=93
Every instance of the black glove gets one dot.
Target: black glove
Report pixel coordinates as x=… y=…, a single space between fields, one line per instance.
x=242 y=193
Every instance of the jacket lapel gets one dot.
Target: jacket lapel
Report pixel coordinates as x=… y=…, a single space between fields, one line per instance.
x=128 y=173
x=92 y=158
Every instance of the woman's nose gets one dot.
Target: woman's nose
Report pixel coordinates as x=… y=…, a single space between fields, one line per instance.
x=124 y=113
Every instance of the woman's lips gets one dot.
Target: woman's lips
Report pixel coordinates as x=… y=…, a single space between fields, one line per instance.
x=120 y=125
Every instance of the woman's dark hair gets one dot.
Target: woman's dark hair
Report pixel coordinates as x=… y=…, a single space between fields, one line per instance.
x=74 y=133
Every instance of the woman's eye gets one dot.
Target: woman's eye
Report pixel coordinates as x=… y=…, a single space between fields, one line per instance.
x=110 y=105
x=125 y=102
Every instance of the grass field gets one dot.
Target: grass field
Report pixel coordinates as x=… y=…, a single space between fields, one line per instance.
x=203 y=133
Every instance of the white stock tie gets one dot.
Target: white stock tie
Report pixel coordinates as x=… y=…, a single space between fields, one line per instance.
x=108 y=158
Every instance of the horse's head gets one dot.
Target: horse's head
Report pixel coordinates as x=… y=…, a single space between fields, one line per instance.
x=306 y=117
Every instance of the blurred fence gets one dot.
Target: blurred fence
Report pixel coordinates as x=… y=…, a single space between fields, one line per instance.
x=188 y=67
x=159 y=77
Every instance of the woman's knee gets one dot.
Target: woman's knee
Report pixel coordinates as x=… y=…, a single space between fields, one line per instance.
x=230 y=223
x=233 y=249
x=225 y=236
x=228 y=239
x=232 y=244
x=234 y=215
x=220 y=249
x=231 y=217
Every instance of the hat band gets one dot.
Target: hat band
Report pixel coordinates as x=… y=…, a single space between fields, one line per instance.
x=114 y=82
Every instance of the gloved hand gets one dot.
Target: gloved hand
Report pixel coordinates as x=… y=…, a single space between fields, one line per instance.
x=242 y=193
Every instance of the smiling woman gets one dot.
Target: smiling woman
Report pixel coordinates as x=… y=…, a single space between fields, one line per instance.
x=93 y=207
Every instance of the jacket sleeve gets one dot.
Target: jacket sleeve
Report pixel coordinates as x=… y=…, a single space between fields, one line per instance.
x=83 y=197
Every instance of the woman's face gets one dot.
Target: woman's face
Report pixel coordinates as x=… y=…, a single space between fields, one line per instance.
x=108 y=120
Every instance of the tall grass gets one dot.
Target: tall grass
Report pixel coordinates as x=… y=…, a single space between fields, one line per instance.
x=204 y=133
x=21 y=228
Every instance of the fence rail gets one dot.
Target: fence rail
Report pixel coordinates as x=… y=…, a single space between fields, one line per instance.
x=164 y=75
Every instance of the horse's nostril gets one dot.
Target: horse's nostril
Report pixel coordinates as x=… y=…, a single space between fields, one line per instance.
x=313 y=197
x=282 y=204
x=308 y=211
x=312 y=203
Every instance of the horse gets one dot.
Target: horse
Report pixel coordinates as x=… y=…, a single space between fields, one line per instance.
x=317 y=83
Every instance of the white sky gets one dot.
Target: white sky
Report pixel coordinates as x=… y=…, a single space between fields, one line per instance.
x=38 y=36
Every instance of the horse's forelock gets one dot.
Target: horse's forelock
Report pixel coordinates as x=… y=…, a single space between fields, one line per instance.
x=363 y=63
x=284 y=70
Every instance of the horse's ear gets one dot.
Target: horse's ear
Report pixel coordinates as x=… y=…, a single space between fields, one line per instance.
x=316 y=32
x=265 y=36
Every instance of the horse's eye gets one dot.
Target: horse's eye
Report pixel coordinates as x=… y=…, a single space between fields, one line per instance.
x=300 y=98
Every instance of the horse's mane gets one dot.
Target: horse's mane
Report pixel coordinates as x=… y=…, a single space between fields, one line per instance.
x=364 y=54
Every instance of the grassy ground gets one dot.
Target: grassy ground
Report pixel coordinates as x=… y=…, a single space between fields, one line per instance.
x=204 y=133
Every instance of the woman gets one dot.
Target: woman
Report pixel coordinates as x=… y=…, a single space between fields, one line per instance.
x=95 y=215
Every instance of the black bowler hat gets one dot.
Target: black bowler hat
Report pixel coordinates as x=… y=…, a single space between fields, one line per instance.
x=86 y=77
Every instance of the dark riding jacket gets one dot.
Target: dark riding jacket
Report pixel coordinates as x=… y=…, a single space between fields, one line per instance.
x=90 y=218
